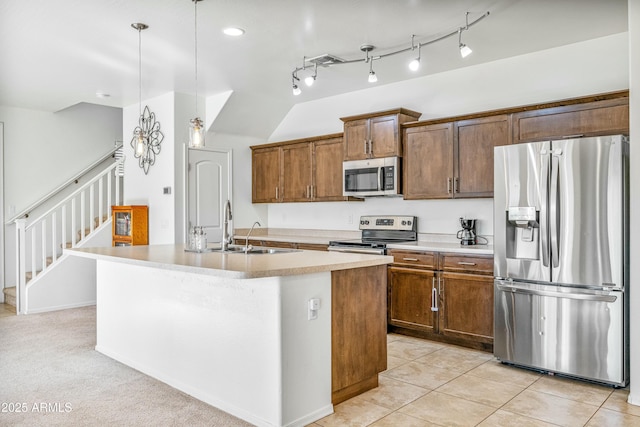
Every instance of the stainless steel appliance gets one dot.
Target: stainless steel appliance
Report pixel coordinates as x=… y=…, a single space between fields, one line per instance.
x=377 y=232
x=561 y=257
x=467 y=235
x=372 y=177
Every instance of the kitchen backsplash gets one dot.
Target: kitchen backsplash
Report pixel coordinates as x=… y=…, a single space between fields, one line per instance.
x=434 y=216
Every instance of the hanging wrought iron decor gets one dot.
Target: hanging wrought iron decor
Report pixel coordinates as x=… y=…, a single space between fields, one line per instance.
x=146 y=140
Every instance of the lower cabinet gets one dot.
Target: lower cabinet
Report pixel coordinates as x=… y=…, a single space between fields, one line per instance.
x=442 y=296
x=285 y=245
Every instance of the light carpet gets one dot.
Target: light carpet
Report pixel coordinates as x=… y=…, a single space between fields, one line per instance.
x=51 y=375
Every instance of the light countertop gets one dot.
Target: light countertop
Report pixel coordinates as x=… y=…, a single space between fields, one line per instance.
x=232 y=265
x=426 y=242
x=422 y=245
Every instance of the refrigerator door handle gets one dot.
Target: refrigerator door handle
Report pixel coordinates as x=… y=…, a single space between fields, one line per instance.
x=538 y=292
x=544 y=214
x=554 y=211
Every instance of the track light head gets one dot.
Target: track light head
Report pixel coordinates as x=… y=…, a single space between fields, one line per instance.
x=465 y=50
x=296 y=90
x=414 y=65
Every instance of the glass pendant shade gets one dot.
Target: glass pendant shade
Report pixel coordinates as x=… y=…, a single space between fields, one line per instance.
x=414 y=65
x=372 y=77
x=196 y=133
x=140 y=143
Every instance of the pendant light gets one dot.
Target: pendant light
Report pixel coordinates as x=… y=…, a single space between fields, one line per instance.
x=196 y=126
x=147 y=137
x=138 y=133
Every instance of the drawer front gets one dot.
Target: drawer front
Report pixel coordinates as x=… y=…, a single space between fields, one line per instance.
x=479 y=264
x=418 y=259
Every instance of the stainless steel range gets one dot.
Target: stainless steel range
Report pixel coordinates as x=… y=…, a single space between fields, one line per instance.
x=377 y=232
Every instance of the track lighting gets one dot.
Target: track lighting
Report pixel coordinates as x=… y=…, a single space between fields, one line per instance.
x=414 y=65
x=294 y=79
x=372 y=74
x=328 y=60
x=310 y=80
x=464 y=49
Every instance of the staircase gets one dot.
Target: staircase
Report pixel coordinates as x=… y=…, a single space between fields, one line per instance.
x=40 y=242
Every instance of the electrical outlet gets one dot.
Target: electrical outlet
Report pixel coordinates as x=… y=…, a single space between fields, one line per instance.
x=313 y=305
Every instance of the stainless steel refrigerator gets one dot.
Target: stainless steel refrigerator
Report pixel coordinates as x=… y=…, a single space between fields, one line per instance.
x=561 y=257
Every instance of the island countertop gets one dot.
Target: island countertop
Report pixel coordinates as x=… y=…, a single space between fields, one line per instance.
x=232 y=265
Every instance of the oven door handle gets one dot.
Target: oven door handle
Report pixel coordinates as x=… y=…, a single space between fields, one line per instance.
x=357 y=250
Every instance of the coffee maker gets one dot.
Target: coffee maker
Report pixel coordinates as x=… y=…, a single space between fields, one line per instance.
x=467 y=235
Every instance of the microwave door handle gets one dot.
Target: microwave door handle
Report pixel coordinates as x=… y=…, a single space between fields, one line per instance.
x=381 y=178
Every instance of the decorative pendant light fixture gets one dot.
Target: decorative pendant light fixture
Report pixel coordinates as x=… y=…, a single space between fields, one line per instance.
x=196 y=126
x=146 y=136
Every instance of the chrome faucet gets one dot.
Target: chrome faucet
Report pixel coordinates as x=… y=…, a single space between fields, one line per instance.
x=246 y=244
x=226 y=237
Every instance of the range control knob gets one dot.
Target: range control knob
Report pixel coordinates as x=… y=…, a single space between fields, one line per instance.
x=409 y=222
x=404 y=222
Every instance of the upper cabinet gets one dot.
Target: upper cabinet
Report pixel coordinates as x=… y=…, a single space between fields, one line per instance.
x=375 y=135
x=302 y=170
x=452 y=159
x=600 y=117
x=266 y=174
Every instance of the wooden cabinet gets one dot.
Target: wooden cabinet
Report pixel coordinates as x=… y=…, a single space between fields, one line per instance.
x=358 y=330
x=603 y=117
x=302 y=170
x=452 y=160
x=428 y=162
x=129 y=225
x=375 y=135
x=265 y=182
x=278 y=244
x=297 y=172
x=442 y=296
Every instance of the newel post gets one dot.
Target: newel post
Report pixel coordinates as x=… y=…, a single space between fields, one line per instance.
x=21 y=254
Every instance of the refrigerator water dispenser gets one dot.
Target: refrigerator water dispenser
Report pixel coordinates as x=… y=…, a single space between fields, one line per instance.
x=523 y=232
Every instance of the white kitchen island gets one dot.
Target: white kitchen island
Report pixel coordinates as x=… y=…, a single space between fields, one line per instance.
x=234 y=330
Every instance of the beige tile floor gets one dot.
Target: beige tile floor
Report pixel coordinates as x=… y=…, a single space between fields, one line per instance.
x=433 y=384
x=7 y=310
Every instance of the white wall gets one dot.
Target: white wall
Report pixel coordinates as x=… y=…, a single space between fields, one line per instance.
x=141 y=189
x=590 y=67
x=634 y=86
x=42 y=150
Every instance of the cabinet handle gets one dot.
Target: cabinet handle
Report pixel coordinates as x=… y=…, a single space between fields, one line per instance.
x=456 y=185
x=366 y=151
x=448 y=185
x=313 y=191
x=466 y=263
x=410 y=259
x=370 y=148
x=276 y=193
x=308 y=197
x=434 y=295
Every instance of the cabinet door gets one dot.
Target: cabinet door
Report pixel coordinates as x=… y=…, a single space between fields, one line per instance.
x=384 y=136
x=356 y=136
x=466 y=306
x=411 y=294
x=590 y=119
x=327 y=163
x=428 y=162
x=296 y=173
x=266 y=175
x=473 y=154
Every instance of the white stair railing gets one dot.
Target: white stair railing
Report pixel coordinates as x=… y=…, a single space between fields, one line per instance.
x=41 y=241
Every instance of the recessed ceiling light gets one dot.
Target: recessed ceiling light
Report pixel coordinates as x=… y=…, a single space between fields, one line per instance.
x=233 y=31
x=102 y=95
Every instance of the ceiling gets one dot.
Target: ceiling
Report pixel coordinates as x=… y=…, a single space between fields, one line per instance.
x=57 y=53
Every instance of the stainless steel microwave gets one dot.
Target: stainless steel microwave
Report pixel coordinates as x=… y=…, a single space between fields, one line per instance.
x=371 y=177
